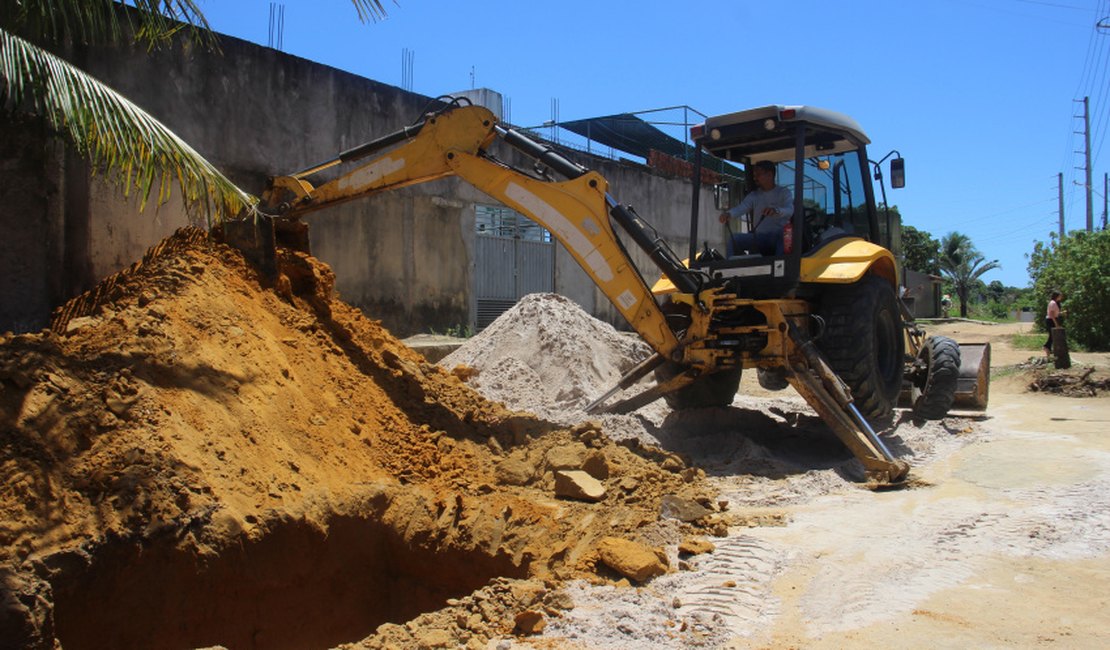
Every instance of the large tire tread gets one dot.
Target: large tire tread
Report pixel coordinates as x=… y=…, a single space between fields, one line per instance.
x=939 y=391
x=864 y=343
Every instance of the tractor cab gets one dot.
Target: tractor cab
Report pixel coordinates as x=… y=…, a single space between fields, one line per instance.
x=820 y=156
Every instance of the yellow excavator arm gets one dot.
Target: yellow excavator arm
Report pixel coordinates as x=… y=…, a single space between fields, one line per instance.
x=718 y=331
x=454 y=143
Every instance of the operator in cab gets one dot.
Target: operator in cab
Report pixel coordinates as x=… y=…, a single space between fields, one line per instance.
x=771 y=207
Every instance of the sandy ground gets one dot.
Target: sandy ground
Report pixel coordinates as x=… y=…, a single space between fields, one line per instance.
x=198 y=456
x=1004 y=544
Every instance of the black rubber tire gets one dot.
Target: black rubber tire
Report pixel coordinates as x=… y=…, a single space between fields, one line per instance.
x=714 y=390
x=772 y=380
x=932 y=399
x=864 y=342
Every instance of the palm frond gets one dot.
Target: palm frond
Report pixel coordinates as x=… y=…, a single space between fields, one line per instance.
x=95 y=21
x=369 y=9
x=113 y=132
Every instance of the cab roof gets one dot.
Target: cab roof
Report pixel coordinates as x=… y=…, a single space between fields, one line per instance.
x=767 y=133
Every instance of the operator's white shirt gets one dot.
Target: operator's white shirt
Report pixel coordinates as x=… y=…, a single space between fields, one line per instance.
x=778 y=198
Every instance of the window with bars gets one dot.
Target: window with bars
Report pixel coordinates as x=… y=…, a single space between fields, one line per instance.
x=499 y=221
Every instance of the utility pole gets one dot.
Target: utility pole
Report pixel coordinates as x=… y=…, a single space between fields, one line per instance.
x=1060 y=179
x=1105 y=200
x=1087 y=142
x=1088 y=186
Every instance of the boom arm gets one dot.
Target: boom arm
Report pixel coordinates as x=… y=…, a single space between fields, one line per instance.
x=579 y=213
x=576 y=210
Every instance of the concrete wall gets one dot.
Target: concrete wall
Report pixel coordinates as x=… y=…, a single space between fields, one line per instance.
x=922 y=293
x=404 y=257
x=31 y=250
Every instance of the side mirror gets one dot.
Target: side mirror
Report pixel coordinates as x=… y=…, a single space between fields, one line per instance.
x=898 y=173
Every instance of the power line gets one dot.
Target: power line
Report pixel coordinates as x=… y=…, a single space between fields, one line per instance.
x=1020 y=231
x=1102 y=102
x=1053 y=4
x=1006 y=211
x=1095 y=47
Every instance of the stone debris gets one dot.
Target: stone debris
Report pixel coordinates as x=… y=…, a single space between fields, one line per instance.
x=687 y=510
x=576 y=484
x=632 y=560
x=529 y=622
x=695 y=546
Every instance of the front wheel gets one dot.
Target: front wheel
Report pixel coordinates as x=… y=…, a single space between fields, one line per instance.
x=936 y=372
x=863 y=342
x=717 y=389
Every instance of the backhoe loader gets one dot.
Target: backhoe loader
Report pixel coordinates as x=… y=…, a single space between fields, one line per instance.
x=823 y=316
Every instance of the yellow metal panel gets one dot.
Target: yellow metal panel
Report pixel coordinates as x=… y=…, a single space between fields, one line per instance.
x=841 y=261
x=664 y=286
x=846 y=260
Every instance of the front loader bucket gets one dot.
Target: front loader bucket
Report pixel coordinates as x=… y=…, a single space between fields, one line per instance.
x=973 y=385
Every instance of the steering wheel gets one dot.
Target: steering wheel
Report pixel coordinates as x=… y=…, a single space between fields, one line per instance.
x=815 y=224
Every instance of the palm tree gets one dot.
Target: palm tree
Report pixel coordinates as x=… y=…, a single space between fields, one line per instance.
x=963 y=264
x=101 y=124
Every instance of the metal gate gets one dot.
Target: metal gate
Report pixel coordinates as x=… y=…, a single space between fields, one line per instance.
x=513 y=258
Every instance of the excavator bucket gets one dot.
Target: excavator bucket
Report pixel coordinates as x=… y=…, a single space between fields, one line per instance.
x=973 y=385
x=257 y=236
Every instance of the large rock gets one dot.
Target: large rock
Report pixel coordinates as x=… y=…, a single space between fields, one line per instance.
x=695 y=546
x=632 y=560
x=683 y=509
x=529 y=622
x=596 y=465
x=515 y=471
x=566 y=457
x=576 y=484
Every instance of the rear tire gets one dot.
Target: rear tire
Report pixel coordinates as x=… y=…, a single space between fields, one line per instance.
x=708 y=391
x=937 y=390
x=864 y=343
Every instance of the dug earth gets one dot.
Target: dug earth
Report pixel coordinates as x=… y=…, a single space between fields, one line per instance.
x=193 y=456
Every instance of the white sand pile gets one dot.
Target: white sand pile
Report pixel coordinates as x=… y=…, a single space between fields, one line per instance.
x=548 y=356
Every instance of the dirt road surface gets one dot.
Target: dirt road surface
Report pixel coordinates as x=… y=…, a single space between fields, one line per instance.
x=1003 y=541
x=1006 y=543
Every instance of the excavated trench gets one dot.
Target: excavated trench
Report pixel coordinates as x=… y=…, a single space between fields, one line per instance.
x=298 y=587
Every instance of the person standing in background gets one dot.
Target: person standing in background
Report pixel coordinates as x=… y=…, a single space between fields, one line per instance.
x=1054 y=317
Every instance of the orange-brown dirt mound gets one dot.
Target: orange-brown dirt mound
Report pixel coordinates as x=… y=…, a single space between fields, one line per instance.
x=192 y=457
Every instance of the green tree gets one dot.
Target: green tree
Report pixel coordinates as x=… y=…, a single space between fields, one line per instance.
x=963 y=265
x=996 y=290
x=1078 y=265
x=102 y=125
x=920 y=251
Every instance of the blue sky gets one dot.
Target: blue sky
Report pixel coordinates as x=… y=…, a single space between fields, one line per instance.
x=977 y=95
